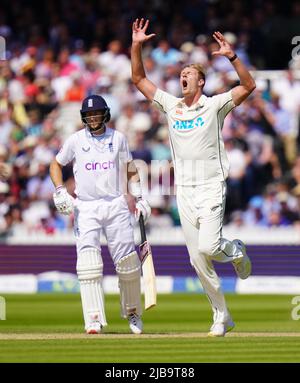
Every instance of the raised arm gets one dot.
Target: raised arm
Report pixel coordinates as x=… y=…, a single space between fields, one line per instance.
x=247 y=83
x=139 y=28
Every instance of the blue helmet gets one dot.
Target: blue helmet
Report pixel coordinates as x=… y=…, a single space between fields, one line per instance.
x=95 y=103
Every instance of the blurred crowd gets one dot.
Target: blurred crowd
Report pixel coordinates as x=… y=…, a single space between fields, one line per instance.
x=264 y=28
x=82 y=48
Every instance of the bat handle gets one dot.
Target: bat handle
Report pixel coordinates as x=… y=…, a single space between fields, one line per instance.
x=142 y=228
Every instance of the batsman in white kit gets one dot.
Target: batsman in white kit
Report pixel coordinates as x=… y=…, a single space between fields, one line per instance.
x=201 y=165
x=100 y=156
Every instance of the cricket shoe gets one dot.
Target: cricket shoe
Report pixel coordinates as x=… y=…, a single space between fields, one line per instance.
x=220 y=329
x=242 y=264
x=135 y=323
x=94 y=328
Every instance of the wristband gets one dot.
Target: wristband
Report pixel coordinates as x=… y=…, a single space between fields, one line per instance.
x=233 y=57
x=59 y=187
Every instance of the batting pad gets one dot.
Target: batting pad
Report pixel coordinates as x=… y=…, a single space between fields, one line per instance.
x=129 y=273
x=90 y=274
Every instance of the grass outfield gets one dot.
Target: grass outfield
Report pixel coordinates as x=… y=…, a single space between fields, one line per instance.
x=48 y=328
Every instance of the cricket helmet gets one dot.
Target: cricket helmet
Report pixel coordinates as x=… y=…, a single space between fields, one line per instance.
x=95 y=103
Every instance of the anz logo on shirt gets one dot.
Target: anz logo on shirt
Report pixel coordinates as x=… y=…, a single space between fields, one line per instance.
x=188 y=124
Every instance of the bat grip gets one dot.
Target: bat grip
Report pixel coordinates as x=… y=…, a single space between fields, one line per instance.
x=142 y=228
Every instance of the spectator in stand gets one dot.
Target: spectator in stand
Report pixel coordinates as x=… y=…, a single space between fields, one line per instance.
x=4 y=205
x=288 y=89
x=77 y=91
x=114 y=63
x=66 y=66
x=4 y=167
x=199 y=53
x=280 y=119
x=153 y=71
x=254 y=215
x=104 y=86
x=55 y=222
x=141 y=151
x=4 y=170
x=165 y=55
x=44 y=68
x=34 y=127
x=160 y=149
x=236 y=220
x=5 y=216
x=40 y=186
x=237 y=171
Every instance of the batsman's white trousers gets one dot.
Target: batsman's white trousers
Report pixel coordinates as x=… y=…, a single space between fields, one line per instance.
x=110 y=215
x=201 y=209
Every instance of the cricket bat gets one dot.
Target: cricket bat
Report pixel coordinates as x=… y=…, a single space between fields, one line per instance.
x=147 y=268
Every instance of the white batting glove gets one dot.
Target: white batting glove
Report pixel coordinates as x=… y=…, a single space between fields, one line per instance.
x=142 y=207
x=63 y=201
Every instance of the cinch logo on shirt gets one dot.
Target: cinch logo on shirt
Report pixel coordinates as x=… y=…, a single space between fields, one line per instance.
x=189 y=124
x=100 y=165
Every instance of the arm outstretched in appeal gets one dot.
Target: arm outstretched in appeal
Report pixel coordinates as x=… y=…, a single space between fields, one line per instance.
x=144 y=85
x=247 y=83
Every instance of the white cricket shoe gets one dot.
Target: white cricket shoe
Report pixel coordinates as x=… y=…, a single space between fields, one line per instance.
x=242 y=264
x=220 y=329
x=94 y=328
x=135 y=323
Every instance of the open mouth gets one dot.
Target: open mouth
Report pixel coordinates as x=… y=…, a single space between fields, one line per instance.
x=184 y=84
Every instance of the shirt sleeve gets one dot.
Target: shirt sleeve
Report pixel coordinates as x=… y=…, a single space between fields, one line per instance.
x=67 y=152
x=164 y=101
x=224 y=104
x=125 y=154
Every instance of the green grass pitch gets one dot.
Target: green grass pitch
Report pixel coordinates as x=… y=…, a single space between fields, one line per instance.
x=48 y=328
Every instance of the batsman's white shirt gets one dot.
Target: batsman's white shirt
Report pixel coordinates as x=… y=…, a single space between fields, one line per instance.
x=195 y=136
x=100 y=203
x=97 y=163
